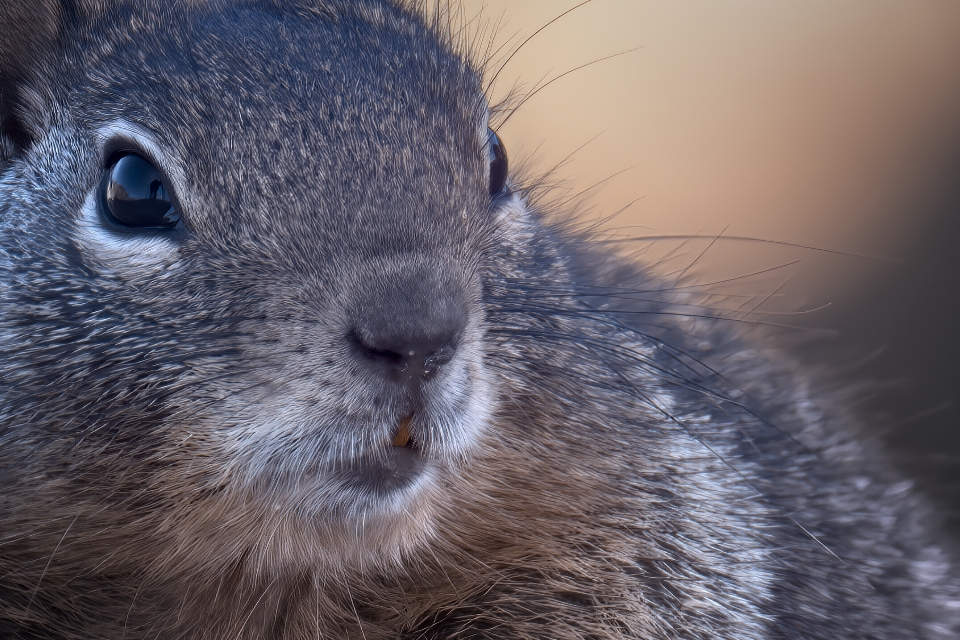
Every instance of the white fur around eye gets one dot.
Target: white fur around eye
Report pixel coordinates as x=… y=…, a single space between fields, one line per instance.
x=483 y=131
x=129 y=255
x=513 y=210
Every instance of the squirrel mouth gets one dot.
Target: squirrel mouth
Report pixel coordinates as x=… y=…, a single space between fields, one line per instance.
x=399 y=469
x=402 y=438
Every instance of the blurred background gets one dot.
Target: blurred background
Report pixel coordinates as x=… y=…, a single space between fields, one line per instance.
x=830 y=125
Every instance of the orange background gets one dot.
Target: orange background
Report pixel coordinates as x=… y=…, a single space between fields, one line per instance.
x=832 y=124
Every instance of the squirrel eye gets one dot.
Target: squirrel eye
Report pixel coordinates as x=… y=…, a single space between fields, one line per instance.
x=134 y=194
x=498 y=165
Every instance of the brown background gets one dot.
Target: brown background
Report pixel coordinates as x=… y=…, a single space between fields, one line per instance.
x=829 y=124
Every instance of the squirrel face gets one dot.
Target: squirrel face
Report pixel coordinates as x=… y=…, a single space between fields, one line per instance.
x=303 y=331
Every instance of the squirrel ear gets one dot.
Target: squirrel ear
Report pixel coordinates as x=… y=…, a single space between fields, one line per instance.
x=30 y=31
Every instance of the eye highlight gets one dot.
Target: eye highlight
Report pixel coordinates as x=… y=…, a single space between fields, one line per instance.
x=134 y=194
x=498 y=164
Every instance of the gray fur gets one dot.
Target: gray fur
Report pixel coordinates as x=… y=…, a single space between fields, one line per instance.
x=181 y=412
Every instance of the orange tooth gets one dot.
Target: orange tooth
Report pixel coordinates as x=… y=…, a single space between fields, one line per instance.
x=403 y=433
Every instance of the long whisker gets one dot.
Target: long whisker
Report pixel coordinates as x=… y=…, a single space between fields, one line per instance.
x=651 y=238
x=50 y=560
x=538 y=89
x=528 y=39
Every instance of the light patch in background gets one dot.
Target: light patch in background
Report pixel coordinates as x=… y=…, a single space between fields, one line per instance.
x=808 y=122
x=833 y=125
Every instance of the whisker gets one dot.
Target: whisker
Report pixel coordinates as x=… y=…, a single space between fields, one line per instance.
x=36 y=589
x=528 y=39
x=651 y=238
x=538 y=89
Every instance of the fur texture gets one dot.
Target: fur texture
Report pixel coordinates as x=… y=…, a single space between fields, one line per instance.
x=192 y=444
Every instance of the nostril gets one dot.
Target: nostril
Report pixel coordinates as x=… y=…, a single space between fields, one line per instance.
x=438 y=358
x=406 y=359
x=384 y=355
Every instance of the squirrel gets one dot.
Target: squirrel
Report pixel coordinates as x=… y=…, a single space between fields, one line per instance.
x=289 y=352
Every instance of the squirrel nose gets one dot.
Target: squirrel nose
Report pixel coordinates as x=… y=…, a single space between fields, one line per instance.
x=410 y=328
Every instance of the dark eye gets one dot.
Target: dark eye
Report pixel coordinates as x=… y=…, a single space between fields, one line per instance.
x=134 y=193
x=498 y=165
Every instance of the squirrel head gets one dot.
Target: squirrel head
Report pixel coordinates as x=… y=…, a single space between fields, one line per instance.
x=245 y=247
